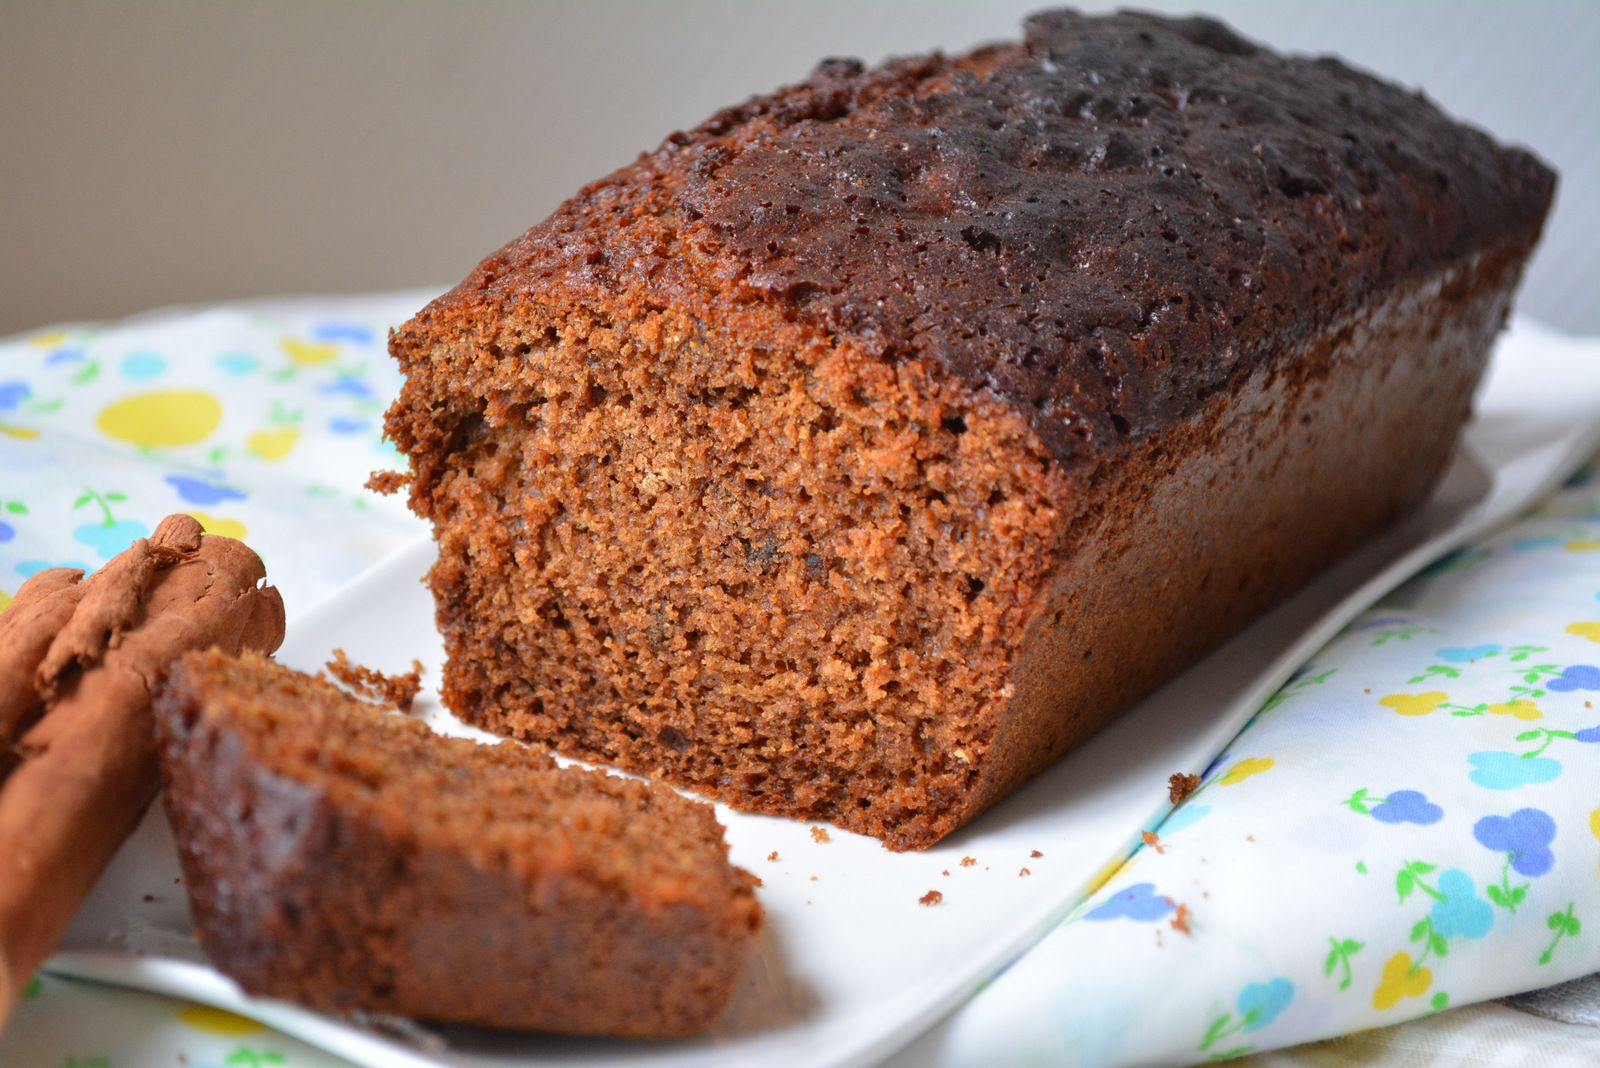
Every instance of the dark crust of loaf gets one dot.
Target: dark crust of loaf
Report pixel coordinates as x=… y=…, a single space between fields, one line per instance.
x=309 y=885
x=1101 y=224
x=809 y=463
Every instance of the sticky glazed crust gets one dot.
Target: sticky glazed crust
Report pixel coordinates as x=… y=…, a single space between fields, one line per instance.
x=802 y=461
x=347 y=858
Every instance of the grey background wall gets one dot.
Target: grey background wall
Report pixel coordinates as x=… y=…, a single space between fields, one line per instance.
x=167 y=152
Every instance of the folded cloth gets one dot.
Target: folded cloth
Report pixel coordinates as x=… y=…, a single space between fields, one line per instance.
x=262 y=421
x=1411 y=823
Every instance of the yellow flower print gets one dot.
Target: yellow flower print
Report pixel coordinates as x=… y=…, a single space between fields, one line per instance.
x=1244 y=769
x=162 y=418
x=1415 y=704
x=309 y=353
x=1582 y=545
x=226 y=528
x=1113 y=867
x=272 y=444
x=1585 y=630
x=1400 y=980
x=1594 y=822
x=1521 y=708
x=48 y=341
x=5 y=602
x=218 y=1022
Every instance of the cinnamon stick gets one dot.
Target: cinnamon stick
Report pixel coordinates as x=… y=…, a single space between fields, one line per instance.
x=79 y=662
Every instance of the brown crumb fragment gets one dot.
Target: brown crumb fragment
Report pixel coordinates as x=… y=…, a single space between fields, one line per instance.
x=946 y=872
x=932 y=897
x=149 y=899
x=1153 y=840
x=1180 y=785
x=1024 y=873
x=772 y=855
x=967 y=862
x=1036 y=854
x=388 y=482
x=1180 y=919
x=813 y=878
x=395 y=691
x=1249 y=838
x=820 y=834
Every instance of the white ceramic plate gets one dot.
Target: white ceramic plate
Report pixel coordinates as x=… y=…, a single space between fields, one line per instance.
x=851 y=966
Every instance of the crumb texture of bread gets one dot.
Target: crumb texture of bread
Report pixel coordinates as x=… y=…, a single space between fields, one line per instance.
x=857 y=453
x=348 y=858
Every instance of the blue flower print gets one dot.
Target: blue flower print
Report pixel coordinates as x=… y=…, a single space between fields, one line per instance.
x=30 y=568
x=337 y=331
x=1459 y=911
x=143 y=365
x=199 y=491
x=346 y=424
x=1407 y=806
x=1525 y=836
x=1137 y=902
x=1500 y=770
x=1576 y=677
x=109 y=539
x=1590 y=735
x=1466 y=654
x=13 y=393
x=1261 y=1003
x=237 y=364
x=1184 y=817
x=350 y=387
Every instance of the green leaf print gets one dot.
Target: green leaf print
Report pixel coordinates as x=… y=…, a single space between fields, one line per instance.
x=104 y=500
x=1565 y=925
x=1409 y=878
x=1435 y=671
x=1504 y=894
x=1295 y=688
x=1339 y=954
x=1401 y=634
x=1357 y=802
x=246 y=1057
x=1547 y=734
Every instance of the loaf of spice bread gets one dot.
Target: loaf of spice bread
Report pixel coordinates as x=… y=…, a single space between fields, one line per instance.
x=857 y=453
x=347 y=858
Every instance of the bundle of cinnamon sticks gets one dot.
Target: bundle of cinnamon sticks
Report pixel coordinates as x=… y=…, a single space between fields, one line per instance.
x=79 y=662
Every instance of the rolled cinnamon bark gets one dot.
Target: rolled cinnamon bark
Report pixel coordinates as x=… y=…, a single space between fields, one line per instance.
x=79 y=662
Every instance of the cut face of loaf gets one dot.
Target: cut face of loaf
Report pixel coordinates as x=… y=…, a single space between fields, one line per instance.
x=347 y=858
x=860 y=452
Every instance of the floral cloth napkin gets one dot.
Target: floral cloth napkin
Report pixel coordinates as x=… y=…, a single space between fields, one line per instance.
x=1412 y=823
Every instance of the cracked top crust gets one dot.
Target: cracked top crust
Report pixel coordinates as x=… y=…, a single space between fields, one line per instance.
x=1101 y=224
